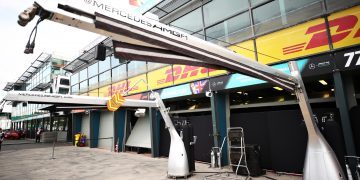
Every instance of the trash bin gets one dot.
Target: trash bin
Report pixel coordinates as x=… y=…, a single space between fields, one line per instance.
x=77 y=138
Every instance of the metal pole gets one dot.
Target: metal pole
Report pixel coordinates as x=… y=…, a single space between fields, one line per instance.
x=53 y=150
x=320 y=160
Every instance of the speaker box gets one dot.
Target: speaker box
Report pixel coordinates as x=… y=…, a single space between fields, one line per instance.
x=100 y=53
x=252 y=159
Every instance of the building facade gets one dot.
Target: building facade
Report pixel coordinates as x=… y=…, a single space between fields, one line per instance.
x=322 y=36
x=40 y=76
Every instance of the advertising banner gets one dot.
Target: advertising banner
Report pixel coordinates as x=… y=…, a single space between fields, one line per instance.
x=141 y=96
x=105 y=91
x=140 y=86
x=175 y=91
x=94 y=93
x=297 y=41
x=160 y=78
x=344 y=27
x=183 y=73
x=245 y=48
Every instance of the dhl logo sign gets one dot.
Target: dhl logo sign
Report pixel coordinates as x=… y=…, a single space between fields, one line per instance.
x=115 y=102
x=119 y=87
x=311 y=37
x=182 y=73
x=343 y=27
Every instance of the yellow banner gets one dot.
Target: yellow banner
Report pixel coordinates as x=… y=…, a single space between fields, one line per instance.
x=160 y=78
x=245 y=48
x=140 y=86
x=105 y=91
x=183 y=73
x=94 y=93
x=119 y=87
x=345 y=27
x=292 y=42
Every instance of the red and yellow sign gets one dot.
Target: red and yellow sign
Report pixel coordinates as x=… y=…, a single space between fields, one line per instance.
x=345 y=27
x=141 y=85
x=183 y=73
x=160 y=78
x=292 y=42
x=105 y=91
x=115 y=102
x=245 y=49
x=94 y=93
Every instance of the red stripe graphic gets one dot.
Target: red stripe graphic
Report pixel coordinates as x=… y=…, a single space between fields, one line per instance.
x=293 y=48
x=289 y=47
x=292 y=51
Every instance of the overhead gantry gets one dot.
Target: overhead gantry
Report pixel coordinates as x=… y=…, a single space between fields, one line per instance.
x=140 y=38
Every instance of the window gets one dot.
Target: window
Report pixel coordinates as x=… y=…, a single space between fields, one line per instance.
x=136 y=68
x=337 y=4
x=267 y=17
x=63 y=90
x=93 y=82
x=191 y=22
x=75 y=89
x=230 y=31
x=83 y=87
x=93 y=70
x=83 y=74
x=104 y=65
x=280 y=13
x=217 y=10
x=119 y=73
x=153 y=66
x=64 y=82
x=105 y=78
x=256 y=2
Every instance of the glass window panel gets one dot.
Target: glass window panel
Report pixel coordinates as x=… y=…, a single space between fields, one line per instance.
x=266 y=12
x=217 y=10
x=104 y=78
x=191 y=22
x=93 y=82
x=256 y=2
x=153 y=66
x=74 y=79
x=75 y=89
x=104 y=65
x=114 y=61
x=339 y=4
x=136 y=68
x=230 y=31
x=93 y=70
x=297 y=11
x=119 y=73
x=83 y=74
x=83 y=87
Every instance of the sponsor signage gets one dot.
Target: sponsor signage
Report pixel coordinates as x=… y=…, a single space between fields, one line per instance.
x=105 y=91
x=175 y=91
x=348 y=59
x=137 y=85
x=345 y=27
x=160 y=78
x=311 y=37
x=94 y=93
x=184 y=73
x=142 y=96
x=245 y=49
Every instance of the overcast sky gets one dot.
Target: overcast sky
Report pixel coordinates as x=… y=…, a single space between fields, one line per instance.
x=52 y=38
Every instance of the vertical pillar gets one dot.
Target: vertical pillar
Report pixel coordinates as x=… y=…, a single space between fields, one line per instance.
x=119 y=128
x=342 y=102
x=94 y=128
x=220 y=122
x=51 y=121
x=76 y=125
x=155 y=118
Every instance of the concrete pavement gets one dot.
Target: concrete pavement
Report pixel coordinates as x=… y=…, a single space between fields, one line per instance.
x=33 y=162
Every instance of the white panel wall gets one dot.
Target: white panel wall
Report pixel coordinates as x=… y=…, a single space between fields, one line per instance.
x=106 y=130
x=140 y=135
x=85 y=126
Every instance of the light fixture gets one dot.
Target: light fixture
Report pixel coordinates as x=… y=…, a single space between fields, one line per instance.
x=239 y=92
x=332 y=89
x=323 y=82
x=260 y=97
x=278 y=88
